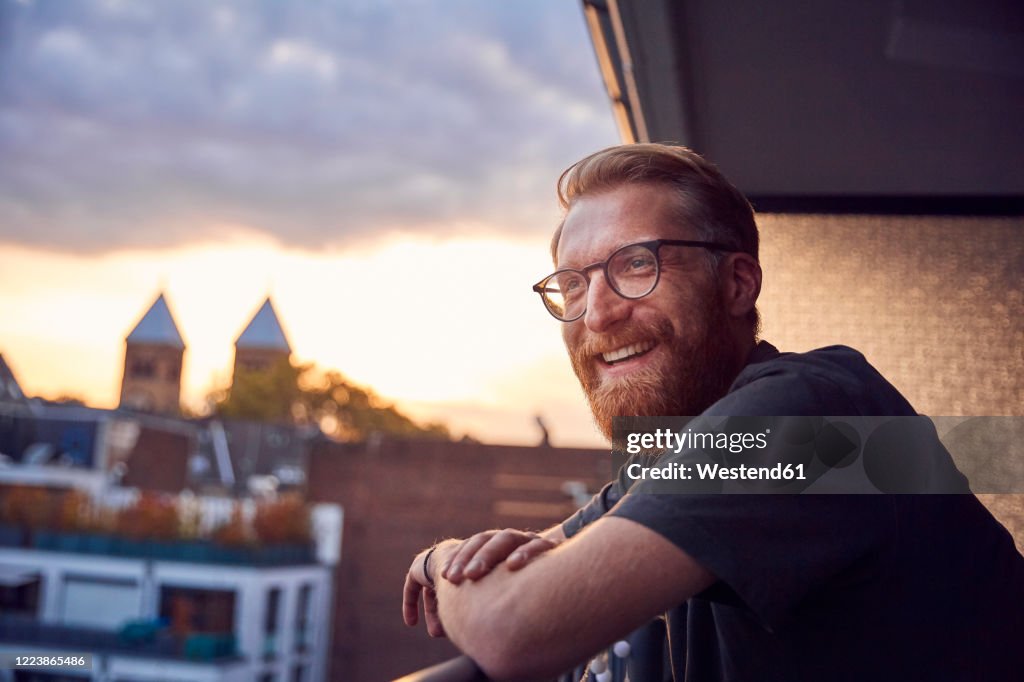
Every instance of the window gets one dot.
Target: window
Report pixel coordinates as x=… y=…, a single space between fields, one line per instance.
x=143 y=368
x=191 y=610
x=303 y=618
x=100 y=603
x=270 y=622
x=19 y=592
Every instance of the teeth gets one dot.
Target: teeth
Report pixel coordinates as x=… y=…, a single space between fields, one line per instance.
x=627 y=351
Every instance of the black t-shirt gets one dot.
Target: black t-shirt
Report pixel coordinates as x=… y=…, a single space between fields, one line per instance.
x=833 y=587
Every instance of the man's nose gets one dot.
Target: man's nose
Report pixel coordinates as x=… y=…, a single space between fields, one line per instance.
x=605 y=308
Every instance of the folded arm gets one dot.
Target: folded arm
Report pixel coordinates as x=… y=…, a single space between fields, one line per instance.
x=568 y=603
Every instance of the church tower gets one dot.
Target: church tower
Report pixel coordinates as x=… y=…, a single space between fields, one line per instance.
x=152 y=363
x=262 y=344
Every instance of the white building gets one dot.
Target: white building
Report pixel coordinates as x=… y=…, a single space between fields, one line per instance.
x=147 y=619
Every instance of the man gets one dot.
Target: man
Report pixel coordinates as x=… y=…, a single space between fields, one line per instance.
x=656 y=285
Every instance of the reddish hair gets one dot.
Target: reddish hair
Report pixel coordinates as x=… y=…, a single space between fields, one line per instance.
x=707 y=202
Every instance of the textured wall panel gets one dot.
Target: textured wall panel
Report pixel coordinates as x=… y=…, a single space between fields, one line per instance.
x=936 y=304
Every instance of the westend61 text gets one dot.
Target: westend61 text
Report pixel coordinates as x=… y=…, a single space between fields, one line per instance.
x=716 y=472
x=667 y=439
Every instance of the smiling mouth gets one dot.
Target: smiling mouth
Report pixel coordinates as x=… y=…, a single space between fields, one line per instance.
x=629 y=352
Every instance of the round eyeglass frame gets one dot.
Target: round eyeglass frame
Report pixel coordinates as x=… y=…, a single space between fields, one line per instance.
x=653 y=245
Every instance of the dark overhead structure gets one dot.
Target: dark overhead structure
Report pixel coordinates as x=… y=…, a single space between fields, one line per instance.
x=876 y=106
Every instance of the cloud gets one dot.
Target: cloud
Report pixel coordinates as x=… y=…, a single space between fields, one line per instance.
x=129 y=124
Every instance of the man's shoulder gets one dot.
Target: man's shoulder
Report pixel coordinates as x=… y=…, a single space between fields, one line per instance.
x=834 y=380
x=830 y=362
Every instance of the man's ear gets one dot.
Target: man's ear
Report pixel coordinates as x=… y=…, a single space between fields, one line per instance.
x=741 y=283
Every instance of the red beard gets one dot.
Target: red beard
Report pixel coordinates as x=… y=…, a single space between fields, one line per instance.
x=698 y=372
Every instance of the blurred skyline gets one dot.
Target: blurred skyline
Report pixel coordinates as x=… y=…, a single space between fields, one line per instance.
x=384 y=170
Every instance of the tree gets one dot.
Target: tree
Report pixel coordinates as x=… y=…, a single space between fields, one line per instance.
x=265 y=394
x=286 y=393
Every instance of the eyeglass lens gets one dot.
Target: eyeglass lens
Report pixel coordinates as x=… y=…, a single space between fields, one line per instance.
x=632 y=272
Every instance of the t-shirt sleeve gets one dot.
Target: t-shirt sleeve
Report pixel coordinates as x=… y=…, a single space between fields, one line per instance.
x=598 y=506
x=772 y=551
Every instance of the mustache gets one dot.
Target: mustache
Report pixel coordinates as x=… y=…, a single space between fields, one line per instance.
x=593 y=345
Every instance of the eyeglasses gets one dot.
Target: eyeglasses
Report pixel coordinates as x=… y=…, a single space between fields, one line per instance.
x=631 y=271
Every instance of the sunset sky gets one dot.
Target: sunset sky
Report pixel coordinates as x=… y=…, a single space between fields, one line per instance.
x=384 y=170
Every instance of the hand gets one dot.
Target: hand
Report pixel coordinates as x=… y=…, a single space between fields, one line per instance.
x=479 y=554
x=416 y=583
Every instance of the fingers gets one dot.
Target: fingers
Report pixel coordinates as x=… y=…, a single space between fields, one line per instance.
x=410 y=606
x=431 y=615
x=472 y=560
x=494 y=550
x=411 y=592
x=411 y=600
x=452 y=570
x=526 y=553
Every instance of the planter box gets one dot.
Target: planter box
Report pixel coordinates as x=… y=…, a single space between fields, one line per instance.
x=72 y=542
x=131 y=548
x=189 y=551
x=44 y=539
x=12 y=536
x=99 y=544
x=209 y=647
x=195 y=551
x=283 y=555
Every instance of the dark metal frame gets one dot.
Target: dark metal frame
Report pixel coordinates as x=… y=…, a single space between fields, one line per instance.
x=631 y=94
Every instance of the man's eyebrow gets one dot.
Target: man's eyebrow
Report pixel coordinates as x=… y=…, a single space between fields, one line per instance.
x=608 y=252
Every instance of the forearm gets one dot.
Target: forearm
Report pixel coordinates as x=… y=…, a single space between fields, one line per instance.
x=548 y=609
x=501 y=623
x=552 y=613
x=488 y=621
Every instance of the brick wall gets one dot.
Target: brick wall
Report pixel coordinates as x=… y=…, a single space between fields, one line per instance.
x=401 y=496
x=159 y=461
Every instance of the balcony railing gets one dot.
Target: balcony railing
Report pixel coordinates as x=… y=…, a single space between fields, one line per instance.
x=461 y=669
x=641 y=656
x=200 y=647
x=195 y=551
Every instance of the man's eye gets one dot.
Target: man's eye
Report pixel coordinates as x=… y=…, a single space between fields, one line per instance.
x=637 y=264
x=569 y=286
x=573 y=290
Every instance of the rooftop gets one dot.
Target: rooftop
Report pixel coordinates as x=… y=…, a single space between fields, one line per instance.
x=157 y=327
x=264 y=331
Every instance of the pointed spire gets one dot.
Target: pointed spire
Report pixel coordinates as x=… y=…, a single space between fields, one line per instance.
x=9 y=388
x=157 y=326
x=264 y=331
